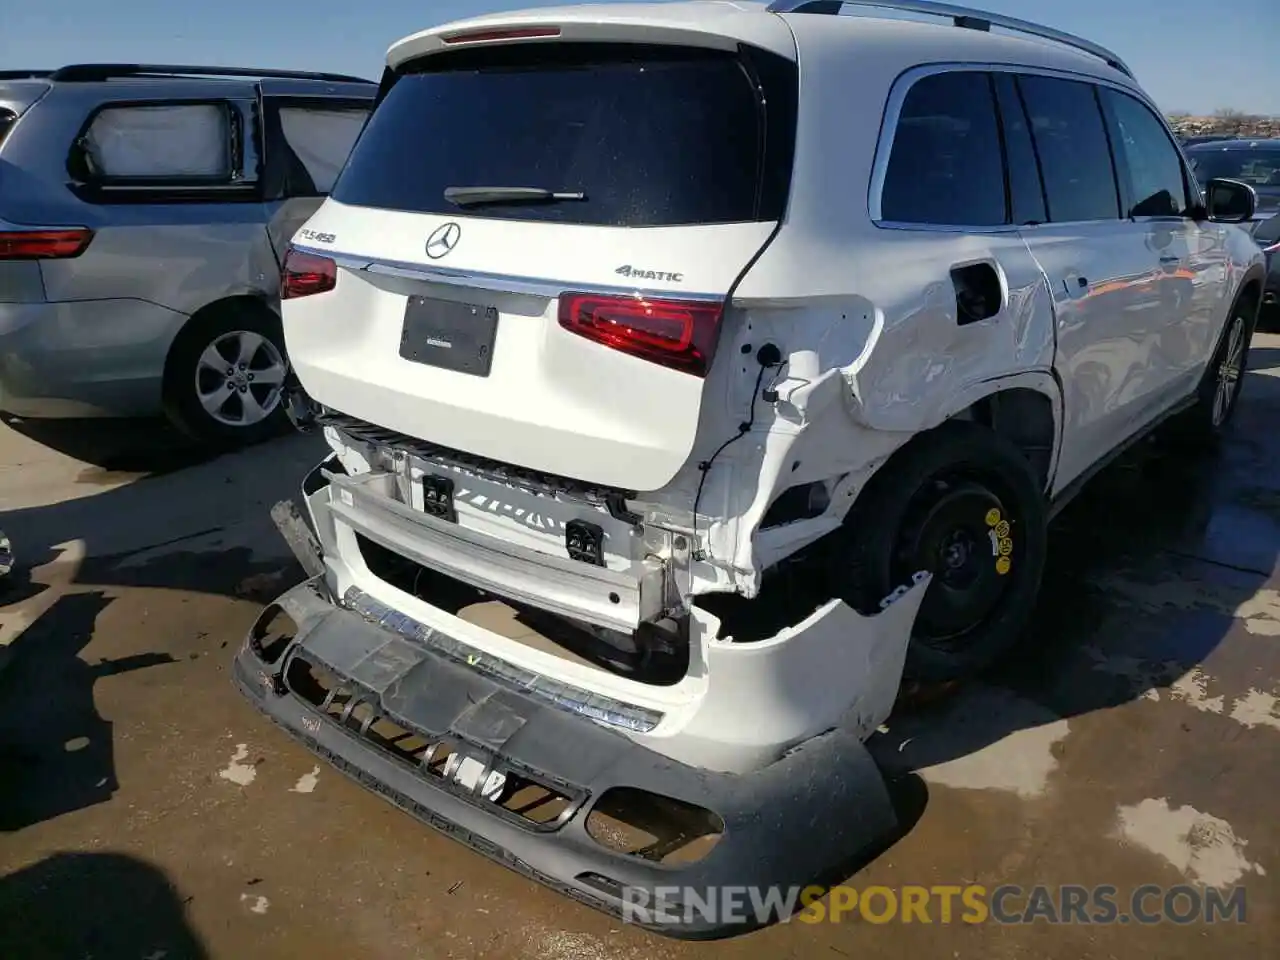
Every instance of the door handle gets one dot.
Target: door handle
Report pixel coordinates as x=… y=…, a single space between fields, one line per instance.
x=1170 y=259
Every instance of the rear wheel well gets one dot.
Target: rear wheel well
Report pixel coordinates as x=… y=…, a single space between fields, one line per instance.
x=227 y=305
x=1251 y=292
x=1024 y=417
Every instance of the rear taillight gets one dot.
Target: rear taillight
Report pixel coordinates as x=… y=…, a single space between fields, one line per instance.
x=680 y=334
x=44 y=244
x=306 y=274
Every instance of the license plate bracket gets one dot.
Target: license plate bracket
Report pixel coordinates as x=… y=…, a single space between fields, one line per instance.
x=449 y=335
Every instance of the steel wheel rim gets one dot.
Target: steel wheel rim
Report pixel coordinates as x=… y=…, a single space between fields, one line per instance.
x=974 y=599
x=238 y=378
x=1229 y=372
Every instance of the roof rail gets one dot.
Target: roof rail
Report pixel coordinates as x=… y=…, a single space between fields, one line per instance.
x=964 y=17
x=92 y=72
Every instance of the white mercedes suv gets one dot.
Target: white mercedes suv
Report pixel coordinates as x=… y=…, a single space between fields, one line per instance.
x=697 y=374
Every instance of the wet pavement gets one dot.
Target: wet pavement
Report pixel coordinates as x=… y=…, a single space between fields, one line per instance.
x=146 y=811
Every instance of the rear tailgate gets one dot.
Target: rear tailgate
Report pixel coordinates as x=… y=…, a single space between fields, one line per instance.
x=571 y=336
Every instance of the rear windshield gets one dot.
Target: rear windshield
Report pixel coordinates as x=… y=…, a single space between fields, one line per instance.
x=650 y=135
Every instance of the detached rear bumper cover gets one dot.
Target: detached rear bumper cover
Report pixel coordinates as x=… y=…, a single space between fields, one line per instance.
x=792 y=823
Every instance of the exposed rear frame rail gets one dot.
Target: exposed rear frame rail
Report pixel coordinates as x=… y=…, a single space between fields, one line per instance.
x=964 y=17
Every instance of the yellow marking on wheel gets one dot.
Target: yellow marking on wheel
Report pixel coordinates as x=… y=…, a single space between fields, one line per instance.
x=1006 y=546
x=1003 y=565
x=1002 y=529
x=993 y=517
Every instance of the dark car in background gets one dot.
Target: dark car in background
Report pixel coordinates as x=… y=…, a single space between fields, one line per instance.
x=1257 y=163
x=1190 y=141
x=1267 y=233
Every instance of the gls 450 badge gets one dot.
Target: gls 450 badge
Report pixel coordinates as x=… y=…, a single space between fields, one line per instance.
x=636 y=273
x=316 y=237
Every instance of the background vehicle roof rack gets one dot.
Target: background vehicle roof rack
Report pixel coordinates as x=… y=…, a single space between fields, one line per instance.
x=92 y=72
x=964 y=17
x=24 y=74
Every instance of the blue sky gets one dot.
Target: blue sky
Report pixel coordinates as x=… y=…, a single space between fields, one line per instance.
x=1189 y=54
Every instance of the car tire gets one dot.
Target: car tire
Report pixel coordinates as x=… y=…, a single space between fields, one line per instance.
x=965 y=504
x=1218 y=394
x=224 y=376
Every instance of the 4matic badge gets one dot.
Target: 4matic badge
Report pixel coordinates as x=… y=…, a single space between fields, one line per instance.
x=636 y=273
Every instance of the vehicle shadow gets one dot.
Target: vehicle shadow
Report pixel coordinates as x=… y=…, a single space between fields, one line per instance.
x=116 y=446
x=205 y=529
x=103 y=905
x=56 y=750
x=1162 y=555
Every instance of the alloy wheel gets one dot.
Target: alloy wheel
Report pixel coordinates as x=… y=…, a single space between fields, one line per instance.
x=239 y=378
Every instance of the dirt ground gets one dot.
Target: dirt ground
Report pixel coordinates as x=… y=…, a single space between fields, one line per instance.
x=147 y=812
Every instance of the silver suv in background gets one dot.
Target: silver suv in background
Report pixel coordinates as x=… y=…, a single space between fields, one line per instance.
x=143 y=213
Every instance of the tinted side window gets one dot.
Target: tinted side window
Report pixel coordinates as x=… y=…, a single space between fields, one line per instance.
x=1071 y=142
x=1026 y=192
x=7 y=120
x=945 y=166
x=1146 y=157
x=190 y=141
x=321 y=139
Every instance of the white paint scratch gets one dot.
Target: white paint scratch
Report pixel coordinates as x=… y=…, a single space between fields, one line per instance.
x=237 y=770
x=307 y=782
x=1203 y=847
x=257 y=905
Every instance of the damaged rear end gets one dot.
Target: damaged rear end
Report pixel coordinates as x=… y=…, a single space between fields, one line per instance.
x=515 y=320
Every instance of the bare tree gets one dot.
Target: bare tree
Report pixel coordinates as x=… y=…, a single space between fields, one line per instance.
x=1230 y=120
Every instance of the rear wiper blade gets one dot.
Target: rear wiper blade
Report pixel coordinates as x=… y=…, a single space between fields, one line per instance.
x=475 y=196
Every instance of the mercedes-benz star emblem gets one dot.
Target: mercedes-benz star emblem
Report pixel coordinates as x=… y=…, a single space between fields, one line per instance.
x=442 y=240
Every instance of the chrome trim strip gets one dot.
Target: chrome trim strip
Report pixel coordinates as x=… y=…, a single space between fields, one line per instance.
x=961 y=17
x=500 y=282
x=584 y=703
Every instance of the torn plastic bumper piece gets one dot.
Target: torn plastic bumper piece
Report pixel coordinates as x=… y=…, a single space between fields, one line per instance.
x=811 y=816
x=301 y=410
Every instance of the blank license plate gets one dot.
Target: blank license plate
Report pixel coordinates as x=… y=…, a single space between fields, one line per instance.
x=454 y=336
